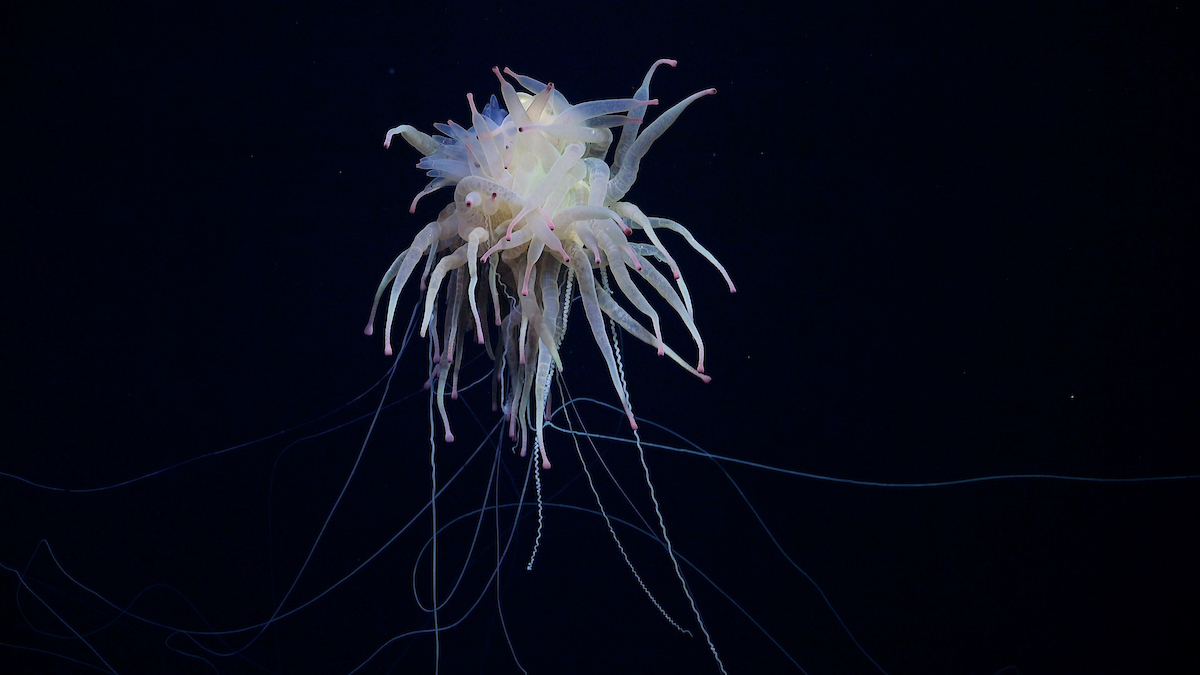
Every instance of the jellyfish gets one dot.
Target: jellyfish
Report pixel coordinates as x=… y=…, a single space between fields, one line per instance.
x=538 y=218
x=539 y=215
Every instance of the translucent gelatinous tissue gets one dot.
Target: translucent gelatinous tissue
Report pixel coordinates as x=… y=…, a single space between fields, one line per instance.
x=538 y=212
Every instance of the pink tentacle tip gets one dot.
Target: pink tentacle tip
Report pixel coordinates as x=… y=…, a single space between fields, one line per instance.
x=545 y=464
x=449 y=436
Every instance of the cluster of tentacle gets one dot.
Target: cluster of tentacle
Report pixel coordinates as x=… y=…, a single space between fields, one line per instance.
x=538 y=212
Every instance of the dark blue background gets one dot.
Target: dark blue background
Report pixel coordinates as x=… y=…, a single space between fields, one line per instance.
x=964 y=241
